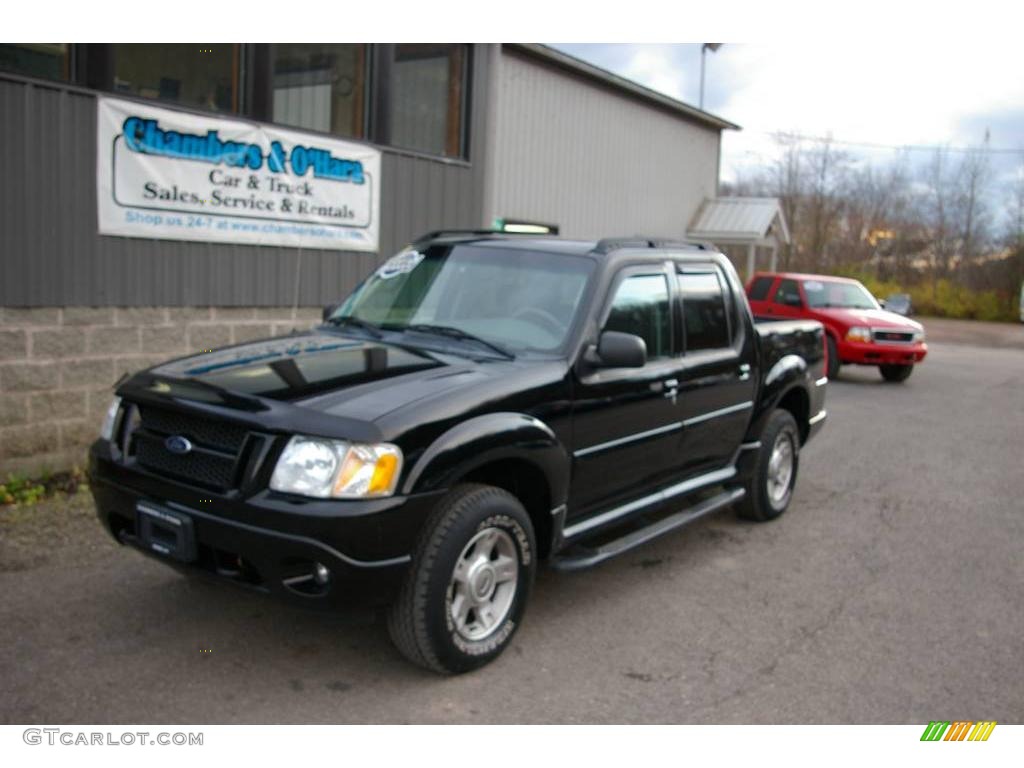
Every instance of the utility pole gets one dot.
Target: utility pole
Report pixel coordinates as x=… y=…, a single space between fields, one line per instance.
x=704 y=49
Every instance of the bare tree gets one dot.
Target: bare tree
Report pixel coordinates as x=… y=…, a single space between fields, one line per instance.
x=1015 y=235
x=939 y=215
x=974 y=176
x=787 y=186
x=874 y=213
x=826 y=170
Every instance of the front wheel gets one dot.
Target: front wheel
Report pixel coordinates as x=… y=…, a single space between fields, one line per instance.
x=896 y=373
x=469 y=581
x=770 y=486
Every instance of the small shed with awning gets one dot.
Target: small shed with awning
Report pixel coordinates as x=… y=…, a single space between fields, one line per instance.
x=754 y=224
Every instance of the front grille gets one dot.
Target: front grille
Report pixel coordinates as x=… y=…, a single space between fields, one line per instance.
x=893 y=337
x=206 y=469
x=218 y=435
x=217 y=447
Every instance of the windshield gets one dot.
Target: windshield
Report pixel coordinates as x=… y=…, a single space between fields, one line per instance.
x=826 y=294
x=517 y=299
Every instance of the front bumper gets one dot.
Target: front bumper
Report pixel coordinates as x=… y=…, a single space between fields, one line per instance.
x=269 y=541
x=875 y=353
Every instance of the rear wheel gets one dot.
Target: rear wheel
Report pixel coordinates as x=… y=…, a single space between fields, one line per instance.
x=469 y=581
x=770 y=486
x=833 y=357
x=896 y=372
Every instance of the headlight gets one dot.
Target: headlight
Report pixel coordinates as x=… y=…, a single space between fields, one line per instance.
x=858 y=333
x=311 y=466
x=110 y=420
x=918 y=336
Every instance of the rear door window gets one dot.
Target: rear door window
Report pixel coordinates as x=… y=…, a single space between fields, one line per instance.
x=705 y=316
x=760 y=287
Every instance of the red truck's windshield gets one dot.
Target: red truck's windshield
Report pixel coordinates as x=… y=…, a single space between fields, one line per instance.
x=828 y=294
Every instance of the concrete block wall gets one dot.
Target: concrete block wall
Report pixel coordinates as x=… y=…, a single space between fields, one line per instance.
x=58 y=366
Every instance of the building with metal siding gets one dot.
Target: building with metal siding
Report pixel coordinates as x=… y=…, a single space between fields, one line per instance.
x=542 y=137
x=47 y=151
x=593 y=153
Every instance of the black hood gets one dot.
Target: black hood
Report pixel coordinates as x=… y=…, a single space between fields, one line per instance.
x=323 y=382
x=299 y=367
x=319 y=372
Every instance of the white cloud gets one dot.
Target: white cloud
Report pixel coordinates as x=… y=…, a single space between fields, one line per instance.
x=888 y=92
x=657 y=67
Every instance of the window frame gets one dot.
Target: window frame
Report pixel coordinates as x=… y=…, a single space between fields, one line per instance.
x=770 y=280
x=91 y=66
x=638 y=270
x=239 y=75
x=67 y=68
x=382 y=103
x=366 y=106
x=732 y=321
x=799 y=293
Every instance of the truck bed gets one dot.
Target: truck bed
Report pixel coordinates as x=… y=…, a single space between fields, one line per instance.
x=805 y=338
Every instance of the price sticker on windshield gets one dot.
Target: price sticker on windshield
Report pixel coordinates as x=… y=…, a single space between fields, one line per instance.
x=814 y=285
x=400 y=264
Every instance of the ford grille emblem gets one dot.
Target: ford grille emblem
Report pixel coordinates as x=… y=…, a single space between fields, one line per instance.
x=178 y=444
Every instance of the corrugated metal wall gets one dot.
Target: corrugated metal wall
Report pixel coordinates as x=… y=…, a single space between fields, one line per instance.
x=594 y=161
x=51 y=254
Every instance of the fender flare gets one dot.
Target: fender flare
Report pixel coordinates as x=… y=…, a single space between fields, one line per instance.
x=788 y=373
x=492 y=437
x=785 y=369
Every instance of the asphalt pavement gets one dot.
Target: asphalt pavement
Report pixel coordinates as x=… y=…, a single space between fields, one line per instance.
x=892 y=591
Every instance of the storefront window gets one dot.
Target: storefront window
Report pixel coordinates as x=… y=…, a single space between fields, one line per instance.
x=203 y=75
x=46 y=60
x=428 y=86
x=321 y=87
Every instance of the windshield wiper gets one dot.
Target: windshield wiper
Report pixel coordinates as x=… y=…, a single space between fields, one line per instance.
x=456 y=333
x=371 y=328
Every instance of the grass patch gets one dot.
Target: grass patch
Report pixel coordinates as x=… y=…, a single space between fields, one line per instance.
x=19 y=490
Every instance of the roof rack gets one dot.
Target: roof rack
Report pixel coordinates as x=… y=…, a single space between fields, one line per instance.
x=609 y=244
x=433 y=235
x=473 y=233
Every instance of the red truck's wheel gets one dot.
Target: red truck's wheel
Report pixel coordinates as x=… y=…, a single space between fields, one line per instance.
x=770 y=487
x=469 y=581
x=896 y=373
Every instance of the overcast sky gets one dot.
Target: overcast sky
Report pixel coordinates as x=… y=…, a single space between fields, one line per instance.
x=915 y=93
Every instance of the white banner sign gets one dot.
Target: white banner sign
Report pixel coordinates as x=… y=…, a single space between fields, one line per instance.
x=179 y=176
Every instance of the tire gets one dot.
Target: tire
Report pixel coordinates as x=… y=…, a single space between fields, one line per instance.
x=833 y=358
x=896 y=373
x=768 y=490
x=435 y=621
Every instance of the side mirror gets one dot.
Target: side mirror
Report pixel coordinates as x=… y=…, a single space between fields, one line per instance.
x=791 y=300
x=881 y=303
x=619 y=350
x=329 y=310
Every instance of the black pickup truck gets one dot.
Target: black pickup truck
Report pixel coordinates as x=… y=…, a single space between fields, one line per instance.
x=480 y=403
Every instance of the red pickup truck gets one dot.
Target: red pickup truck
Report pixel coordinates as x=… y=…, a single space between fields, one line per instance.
x=858 y=330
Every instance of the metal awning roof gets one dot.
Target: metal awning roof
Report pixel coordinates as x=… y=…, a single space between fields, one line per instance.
x=740 y=221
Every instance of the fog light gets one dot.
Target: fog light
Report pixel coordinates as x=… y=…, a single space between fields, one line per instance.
x=321 y=574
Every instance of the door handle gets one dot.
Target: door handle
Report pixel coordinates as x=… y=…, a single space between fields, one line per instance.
x=744 y=372
x=670 y=388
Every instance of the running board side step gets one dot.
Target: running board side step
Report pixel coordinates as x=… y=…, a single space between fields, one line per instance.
x=579 y=557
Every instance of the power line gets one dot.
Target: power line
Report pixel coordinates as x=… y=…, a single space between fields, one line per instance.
x=879 y=145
